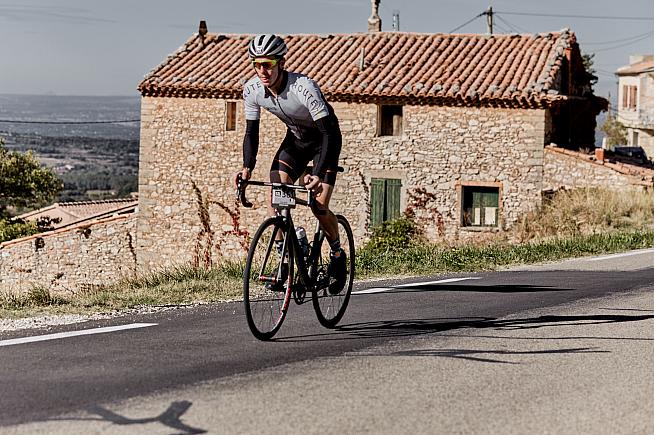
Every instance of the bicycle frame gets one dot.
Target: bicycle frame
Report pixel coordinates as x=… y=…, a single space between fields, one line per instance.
x=308 y=268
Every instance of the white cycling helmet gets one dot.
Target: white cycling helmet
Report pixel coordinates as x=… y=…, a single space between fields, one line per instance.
x=267 y=45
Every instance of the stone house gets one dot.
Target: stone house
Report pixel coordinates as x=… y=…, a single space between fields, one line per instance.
x=92 y=244
x=636 y=102
x=451 y=128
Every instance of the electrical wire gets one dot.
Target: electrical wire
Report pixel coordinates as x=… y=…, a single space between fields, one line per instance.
x=630 y=38
x=501 y=28
x=646 y=36
x=467 y=22
x=593 y=17
x=68 y=122
x=513 y=27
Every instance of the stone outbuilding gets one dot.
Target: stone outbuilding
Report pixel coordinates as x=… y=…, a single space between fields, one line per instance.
x=451 y=128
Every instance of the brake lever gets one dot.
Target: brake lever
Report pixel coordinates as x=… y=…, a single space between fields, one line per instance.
x=240 y=191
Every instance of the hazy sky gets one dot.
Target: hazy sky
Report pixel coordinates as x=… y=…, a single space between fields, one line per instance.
x=105 y=47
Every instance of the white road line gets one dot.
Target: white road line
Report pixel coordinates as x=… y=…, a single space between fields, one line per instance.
x=414 y=284
x=73 y=333
x=625 y=254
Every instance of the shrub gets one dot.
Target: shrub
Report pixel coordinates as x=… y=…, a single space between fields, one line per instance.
x=13 y=230
x=392 y=235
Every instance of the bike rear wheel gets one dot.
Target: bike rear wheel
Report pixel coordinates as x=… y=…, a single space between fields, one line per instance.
x=329 y=307
x=266 y=280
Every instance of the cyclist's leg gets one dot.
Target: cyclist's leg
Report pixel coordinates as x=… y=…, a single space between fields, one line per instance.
x=329 y=223
x=286 y=167
x=327 y=219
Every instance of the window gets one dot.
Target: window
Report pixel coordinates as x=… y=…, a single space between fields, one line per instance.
x=634 y=139
x=384 y=199
x=230 y=115
x=629 y=95
x=389 y=121
x=480 y=206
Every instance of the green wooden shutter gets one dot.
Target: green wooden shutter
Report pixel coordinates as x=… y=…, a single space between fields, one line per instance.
x=393 y=191
x=377 y=200
x=385 y=197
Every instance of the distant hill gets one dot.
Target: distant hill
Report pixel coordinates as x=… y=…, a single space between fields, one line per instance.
x=95 y=161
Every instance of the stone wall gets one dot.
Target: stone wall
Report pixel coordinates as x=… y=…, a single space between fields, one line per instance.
x=70 y=259
x=188 y=161
x=569 y=169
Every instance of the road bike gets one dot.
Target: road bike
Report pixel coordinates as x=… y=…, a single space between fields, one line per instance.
x=282 y=264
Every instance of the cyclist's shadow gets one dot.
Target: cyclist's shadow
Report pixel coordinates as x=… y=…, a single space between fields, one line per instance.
x=415 y=327
x=171 y=417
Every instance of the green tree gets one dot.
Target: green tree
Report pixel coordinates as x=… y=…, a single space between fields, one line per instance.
x=615 y=132
x=588 y=60
x=23 y=181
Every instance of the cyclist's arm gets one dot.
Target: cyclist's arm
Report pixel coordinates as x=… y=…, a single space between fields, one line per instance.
x=252 y=116
x=251 y=143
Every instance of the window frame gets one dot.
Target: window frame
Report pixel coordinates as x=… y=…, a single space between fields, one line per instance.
x=630 y=97
x=389 y=122
x=466 y=188
x=231 y=110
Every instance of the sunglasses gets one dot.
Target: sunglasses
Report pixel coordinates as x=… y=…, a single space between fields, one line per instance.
x=267 y=64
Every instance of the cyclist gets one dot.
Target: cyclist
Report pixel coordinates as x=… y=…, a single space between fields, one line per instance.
x=312 y=133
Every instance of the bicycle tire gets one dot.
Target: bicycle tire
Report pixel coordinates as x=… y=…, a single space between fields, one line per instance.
x=330 y=308
x=266 y=306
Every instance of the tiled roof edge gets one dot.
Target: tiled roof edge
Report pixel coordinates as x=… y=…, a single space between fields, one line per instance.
x=167 y=60
x=639 y=173
x=534 y=100
x=66 y=229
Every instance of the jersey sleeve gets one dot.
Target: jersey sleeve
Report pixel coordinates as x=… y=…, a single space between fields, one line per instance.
x=310 y=96
x=252 y=108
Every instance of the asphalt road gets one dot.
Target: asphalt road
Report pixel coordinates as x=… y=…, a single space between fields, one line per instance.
x=479 y=353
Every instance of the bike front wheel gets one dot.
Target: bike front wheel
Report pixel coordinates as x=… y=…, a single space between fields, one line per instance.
x=330 y=307
x=266 y=280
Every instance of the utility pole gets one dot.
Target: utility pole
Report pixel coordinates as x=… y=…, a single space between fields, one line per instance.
x=489 y=19
x=396 y=20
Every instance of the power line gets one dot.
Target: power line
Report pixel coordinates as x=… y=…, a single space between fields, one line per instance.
x=68 y=122
x=513 y=27
x=630 y=38
x=645 y=36
x=593 y=17
x=467 y=22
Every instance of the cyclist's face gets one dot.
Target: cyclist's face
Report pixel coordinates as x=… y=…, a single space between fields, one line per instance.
x=268 y=69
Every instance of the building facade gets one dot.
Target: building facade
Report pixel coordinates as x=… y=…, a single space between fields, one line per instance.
x=636 y=102
x=450 y=128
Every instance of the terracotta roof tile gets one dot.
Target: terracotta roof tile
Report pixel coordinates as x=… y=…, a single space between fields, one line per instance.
x=637 y=68
x=461 y=69
x=73 y=212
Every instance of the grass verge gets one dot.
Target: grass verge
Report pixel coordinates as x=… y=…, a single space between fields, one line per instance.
x=185 y=285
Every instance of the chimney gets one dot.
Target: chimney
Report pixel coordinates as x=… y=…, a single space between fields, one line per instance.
x=374 y=22
x=396 y=21
x=202 y=30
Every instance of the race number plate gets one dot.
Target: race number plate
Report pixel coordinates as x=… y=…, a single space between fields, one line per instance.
x=283 y=197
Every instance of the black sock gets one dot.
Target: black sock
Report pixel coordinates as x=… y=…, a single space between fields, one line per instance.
x=335 y=245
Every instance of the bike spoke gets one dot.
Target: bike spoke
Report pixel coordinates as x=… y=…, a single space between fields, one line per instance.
x=266 y=282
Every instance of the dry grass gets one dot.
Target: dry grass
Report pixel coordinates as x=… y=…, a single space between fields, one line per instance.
x=587 y=211
x=178 y=286
x=571 y=223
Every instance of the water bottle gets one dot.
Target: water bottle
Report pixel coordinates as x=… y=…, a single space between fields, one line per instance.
x=302 y=238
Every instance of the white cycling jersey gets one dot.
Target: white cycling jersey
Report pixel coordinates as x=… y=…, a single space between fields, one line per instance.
x=298 y=105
